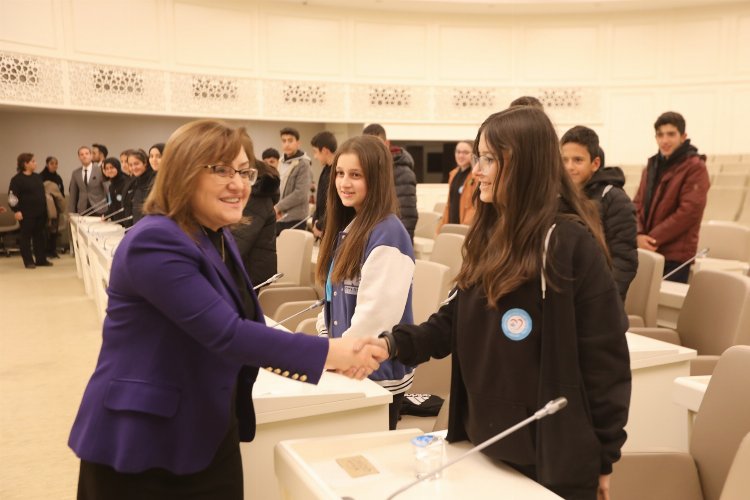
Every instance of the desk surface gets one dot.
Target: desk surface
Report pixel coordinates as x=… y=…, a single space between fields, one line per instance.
x=278 y=398
x=689 y=391
x=307 y=468
x=646 y=352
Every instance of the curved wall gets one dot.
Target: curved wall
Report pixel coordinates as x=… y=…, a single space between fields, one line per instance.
x=427 y=76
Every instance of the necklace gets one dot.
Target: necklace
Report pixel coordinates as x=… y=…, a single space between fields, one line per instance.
x=223 y=255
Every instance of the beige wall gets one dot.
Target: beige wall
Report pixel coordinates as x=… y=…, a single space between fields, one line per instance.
x=612 y=71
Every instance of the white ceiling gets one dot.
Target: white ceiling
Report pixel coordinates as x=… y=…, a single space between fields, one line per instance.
x=512 y=6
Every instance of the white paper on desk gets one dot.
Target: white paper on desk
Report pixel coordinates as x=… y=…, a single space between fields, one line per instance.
x=337 y=478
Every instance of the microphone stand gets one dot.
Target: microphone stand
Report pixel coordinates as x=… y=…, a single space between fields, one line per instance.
x=312 y=306
x=451 y=296
x=122 y=220
x=301 y=222
x=701 y=253
x=550 y=408
x=113 y=213
x=94 y=208
x=272 y=279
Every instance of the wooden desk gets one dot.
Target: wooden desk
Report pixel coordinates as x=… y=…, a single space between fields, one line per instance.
x=306 y=469
x=286 y=409
x=655 y=421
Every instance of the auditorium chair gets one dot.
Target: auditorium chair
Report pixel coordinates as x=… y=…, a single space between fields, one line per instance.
x=721 y=427
x=461 y=229
x=714 y=317
x=642 y=299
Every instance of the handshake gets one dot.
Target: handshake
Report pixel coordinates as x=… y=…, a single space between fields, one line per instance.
x=356 y=357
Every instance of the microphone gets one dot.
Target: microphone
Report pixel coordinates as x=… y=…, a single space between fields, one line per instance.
x=272 y=279
x=701 y=253
x=113 y=213
x=301 y=222
x=312 y=306
x=549 y=409
x=95 y=207
x=123 y=219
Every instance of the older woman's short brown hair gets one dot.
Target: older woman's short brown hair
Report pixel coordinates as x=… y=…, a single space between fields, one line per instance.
x=190 y=148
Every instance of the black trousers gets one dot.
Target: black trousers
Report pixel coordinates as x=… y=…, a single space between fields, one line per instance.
x=280 y=226
x=33 y=229
x=394 y=411
x=680 y=276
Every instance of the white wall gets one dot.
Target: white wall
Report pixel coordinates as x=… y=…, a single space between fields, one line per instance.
x=427 y=76
x=59 y=134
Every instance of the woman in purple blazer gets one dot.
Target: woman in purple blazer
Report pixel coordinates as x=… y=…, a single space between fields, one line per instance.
x=170 y=398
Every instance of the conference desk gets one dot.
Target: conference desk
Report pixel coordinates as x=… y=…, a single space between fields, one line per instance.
x=307 y=469
x=688 y=393
x=654 y=420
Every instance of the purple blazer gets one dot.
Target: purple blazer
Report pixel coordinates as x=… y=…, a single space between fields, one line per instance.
x=174 y=345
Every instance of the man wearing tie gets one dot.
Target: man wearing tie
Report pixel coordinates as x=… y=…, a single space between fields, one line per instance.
x=86 y=185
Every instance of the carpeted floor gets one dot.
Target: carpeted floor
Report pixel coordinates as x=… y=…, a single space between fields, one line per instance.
x=49 y=340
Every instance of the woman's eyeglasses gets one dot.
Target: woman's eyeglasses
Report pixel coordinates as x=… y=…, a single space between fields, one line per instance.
x=249 y=175
x=484 y=162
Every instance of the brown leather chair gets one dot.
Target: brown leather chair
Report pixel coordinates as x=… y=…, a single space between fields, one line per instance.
x=721 y=425
x=714 y=317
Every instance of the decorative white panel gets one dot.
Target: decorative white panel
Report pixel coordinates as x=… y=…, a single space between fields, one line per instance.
x=635 y=51
x=736 y=124
x=129 y=30
x=560 y=54
x=390 y=50
x=31 y=79
x=569 y=105
x=696 y=48
x=214 y=96
x=303 y=45
x=29 y=22
x=475 y=54
x=285 y=98
x=214 y=37
x=742 y=46
x=630 y=127
x=383 y=102
x=698 y=107
x=469 y=104
x=116 y=87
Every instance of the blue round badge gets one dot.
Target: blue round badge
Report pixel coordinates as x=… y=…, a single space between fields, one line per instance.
x=516 y=324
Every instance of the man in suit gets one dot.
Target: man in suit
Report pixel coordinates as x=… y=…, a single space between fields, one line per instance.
x=86 y=185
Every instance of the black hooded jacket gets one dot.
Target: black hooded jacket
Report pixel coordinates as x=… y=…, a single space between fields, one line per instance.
x=256 y=240
x=406 y=188
x=141 y=188
x=618 y=221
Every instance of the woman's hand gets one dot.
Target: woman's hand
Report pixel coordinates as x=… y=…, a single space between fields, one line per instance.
x=18 y=216
x=602 y=492
x=355 y=357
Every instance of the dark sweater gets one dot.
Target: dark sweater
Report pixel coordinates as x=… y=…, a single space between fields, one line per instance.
x=256 y=240
x=583 y=357
x=54 y=177
x=618 y=221
x=320 y=198
x=29 y=189
x=406 y=188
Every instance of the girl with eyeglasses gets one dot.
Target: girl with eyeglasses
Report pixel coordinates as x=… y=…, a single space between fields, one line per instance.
x=536 y=316
x=366 y=259
x=140 y=187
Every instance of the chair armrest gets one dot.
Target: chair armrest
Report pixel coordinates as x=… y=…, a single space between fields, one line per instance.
x=663 y=334
x=635 y=321
x=656 y=476
x=271 y=298
x=704 y=364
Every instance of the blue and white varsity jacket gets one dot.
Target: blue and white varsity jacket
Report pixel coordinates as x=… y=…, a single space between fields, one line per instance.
x=378 y=300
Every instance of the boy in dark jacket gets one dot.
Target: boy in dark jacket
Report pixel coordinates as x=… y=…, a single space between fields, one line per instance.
x=584 y=161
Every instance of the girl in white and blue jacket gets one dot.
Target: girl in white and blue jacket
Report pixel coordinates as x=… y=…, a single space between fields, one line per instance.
x=366 y=259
